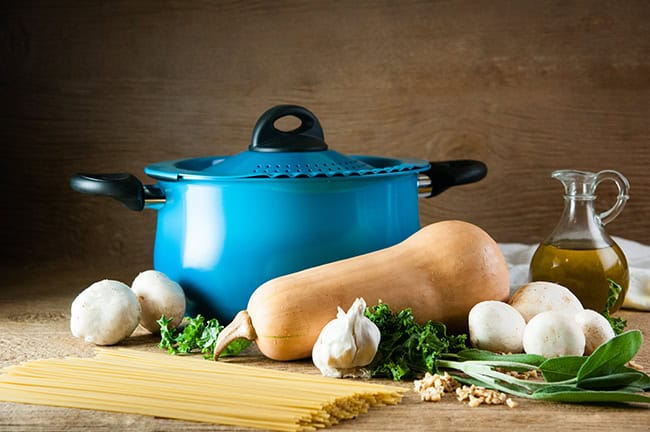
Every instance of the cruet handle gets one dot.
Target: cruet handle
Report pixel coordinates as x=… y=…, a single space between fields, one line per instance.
x=623 y=194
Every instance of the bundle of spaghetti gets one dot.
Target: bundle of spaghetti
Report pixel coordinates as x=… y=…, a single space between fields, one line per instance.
x=187 y=388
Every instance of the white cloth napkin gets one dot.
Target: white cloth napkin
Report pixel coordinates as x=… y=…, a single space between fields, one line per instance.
x=518 y=257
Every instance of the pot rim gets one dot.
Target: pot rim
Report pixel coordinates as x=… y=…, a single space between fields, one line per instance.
x=195 y=169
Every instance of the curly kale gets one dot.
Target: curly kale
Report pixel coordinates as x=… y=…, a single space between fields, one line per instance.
x=408 y=349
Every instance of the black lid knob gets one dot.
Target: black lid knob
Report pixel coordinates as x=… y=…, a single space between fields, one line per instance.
x=308 y=136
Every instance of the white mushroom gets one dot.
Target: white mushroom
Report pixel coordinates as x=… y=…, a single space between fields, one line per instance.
x=158 y=296
x=104 y=313
x=496 y=326
x=536 y=297
x=595 y=327
x=554 y=334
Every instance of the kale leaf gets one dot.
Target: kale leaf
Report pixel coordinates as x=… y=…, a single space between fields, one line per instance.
x=618 y=324
x=407 y=348
x=196 y=334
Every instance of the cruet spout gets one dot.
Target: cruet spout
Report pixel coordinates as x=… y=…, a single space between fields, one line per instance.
x=576 y=183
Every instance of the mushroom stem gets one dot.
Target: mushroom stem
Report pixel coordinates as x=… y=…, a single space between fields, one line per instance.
x=240 y=327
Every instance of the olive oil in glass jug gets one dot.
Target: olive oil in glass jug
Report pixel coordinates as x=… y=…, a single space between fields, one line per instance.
x=579 y=254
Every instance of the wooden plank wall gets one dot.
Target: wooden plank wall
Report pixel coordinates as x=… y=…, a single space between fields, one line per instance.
x=526 y=86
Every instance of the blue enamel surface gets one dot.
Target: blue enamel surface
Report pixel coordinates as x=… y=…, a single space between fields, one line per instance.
x=221 y=240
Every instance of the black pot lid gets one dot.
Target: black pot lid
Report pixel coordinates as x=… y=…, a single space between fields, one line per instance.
x=274 y=153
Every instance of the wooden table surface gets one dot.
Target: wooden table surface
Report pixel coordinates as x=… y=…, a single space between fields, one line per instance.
x=34 y=323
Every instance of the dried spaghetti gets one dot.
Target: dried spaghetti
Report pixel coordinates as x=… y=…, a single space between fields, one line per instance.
x=184 y=388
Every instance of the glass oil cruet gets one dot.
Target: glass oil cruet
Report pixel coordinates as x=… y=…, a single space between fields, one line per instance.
x=579 y=254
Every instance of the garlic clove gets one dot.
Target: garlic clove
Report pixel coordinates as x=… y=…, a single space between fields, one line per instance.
x=339 y=344
x=368 y=332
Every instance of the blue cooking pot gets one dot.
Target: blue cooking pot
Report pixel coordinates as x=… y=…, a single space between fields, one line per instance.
x=227 y=224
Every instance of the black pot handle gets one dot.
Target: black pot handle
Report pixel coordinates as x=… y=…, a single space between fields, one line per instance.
x=123 y=187
x=443 y=175
x=306 y=137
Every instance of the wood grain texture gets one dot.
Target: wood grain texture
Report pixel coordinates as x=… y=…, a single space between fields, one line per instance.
x=34 y=324
x=526 y=86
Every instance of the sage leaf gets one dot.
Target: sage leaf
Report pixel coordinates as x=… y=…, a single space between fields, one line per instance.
x=614 y=381
x=484 y=355
x=574 y=395
x=623 y=377
x=644 y=380
x=501 y=382
x=561 y=368
x=611 y=355
x=483 y=375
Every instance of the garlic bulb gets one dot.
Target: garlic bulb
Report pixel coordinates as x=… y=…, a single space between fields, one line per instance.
x=347 y=343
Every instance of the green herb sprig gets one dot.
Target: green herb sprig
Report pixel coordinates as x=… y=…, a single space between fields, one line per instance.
x=195 y=334
x=618 y=324
x=602 y=376
x=407 y=348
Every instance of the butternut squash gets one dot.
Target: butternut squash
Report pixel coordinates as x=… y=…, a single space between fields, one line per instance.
x=440 y=272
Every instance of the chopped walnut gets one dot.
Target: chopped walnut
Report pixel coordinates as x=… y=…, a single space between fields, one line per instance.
x=521 y=375
x=442 y=383
x=474 y=401
x=511 y=403
x=476 y=396
x=433 y=387
x=431 y=394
